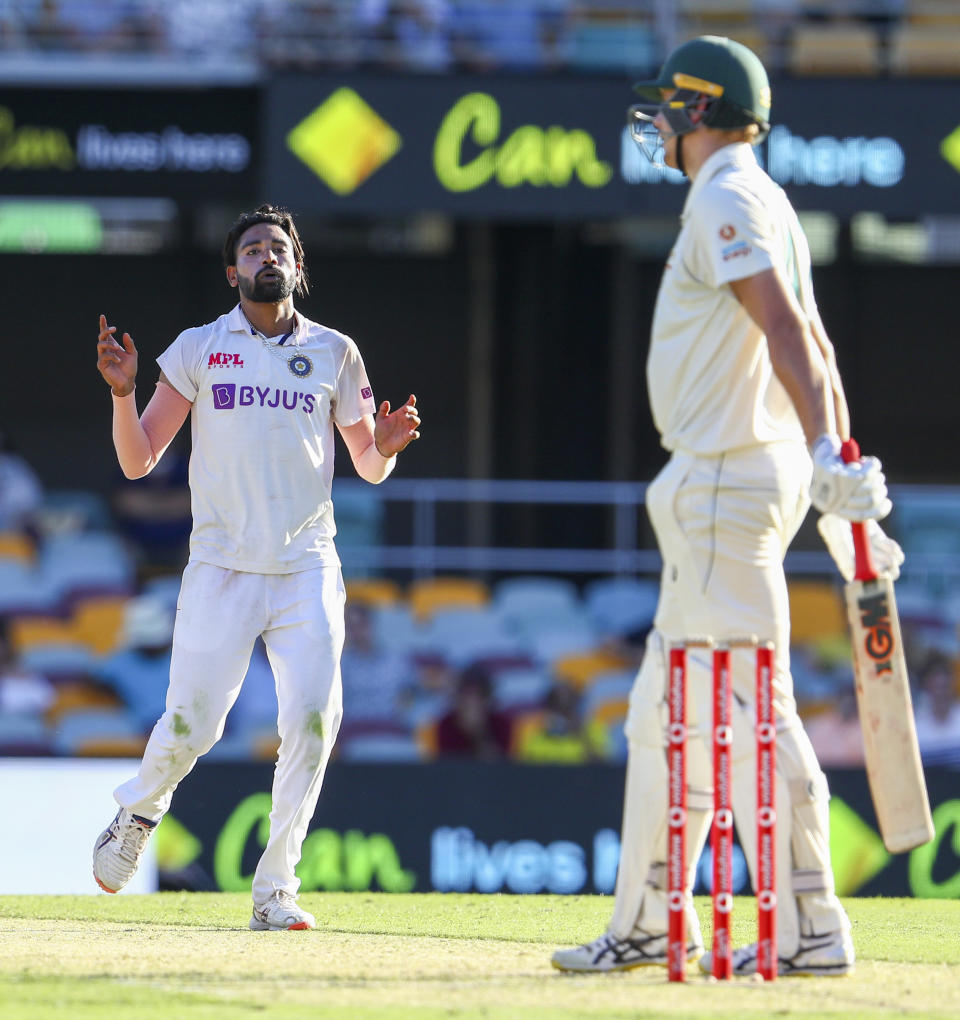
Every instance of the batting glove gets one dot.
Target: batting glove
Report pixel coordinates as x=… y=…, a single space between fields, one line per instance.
x=856 y=492
x=838 y=538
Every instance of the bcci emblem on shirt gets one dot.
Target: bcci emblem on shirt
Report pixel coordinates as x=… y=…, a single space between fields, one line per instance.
x=300 y=365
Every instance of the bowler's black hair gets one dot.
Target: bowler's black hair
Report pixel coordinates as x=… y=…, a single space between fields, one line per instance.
x=279 y=217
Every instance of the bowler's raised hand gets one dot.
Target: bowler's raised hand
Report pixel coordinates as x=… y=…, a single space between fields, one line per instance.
x=117 y=365
x=394 y=431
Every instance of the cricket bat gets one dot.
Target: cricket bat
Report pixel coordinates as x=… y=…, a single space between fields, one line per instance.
x=894 y=770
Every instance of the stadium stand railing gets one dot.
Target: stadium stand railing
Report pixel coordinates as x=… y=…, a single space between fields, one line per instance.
x=235 y=41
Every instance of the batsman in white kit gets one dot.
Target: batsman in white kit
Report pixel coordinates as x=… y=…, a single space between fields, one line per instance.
x=264 y=387
x=746 y=396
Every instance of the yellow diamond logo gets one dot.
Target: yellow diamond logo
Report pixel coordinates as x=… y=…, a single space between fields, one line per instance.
x=950 y=148
x=856 y=851
x=343 y=141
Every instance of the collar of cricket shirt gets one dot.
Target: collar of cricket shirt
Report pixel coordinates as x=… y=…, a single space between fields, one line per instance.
x=271 y=342
x=726 y=155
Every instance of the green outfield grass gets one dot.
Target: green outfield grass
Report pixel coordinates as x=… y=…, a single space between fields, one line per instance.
x=190 y=955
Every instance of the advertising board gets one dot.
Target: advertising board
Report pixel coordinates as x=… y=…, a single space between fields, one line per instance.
x=180 y=143
x=558 y=148
x=460 y=826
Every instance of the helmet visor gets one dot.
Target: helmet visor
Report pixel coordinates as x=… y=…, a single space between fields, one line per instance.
x=675 y=112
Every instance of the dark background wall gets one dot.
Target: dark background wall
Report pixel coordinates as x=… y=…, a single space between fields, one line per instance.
x=557 y=364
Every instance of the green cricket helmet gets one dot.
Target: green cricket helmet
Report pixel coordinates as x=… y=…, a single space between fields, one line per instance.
x=717 y=76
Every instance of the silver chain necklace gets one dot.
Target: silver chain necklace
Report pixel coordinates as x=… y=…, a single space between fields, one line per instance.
x=274 y=346
x=298 y=363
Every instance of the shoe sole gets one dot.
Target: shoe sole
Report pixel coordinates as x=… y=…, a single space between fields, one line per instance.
x=840 y=970
x=692 y=956
x=102 y=840
x=257 y=925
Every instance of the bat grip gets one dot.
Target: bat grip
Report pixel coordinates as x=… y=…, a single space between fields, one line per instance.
x=865 y=569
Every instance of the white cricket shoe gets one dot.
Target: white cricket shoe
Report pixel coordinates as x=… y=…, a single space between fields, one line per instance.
x=817 y=956
x=118 y=849
x=281 y=913
x=608 y=953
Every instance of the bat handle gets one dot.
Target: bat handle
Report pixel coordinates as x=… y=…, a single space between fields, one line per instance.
x=863 y=557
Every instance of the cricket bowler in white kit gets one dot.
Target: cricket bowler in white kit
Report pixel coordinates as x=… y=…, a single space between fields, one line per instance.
x=264 y=387
x=745 y=393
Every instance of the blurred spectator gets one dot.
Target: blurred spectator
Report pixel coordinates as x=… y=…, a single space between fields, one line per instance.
x=775 y=18
x=45 y=29
x=111 y=25
x=510 y=34
x=22 y=691
x=376 y=680
x=560 y=734
x=407 y=34
x=938 y=710
x=20 y=490
x=835 y=732
x=308 y=34
x=140 y=671
x=473 y=727
x=210 y=29
x=154 y=512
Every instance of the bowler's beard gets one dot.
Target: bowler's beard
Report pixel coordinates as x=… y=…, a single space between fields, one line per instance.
x=267 y=291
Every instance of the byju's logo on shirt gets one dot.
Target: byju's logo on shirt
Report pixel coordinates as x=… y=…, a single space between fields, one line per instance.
x=226 y=398
x=221 y=360
x=224 y=395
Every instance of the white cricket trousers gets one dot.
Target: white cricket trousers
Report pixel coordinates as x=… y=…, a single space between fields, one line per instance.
x=723 y=525
x=220 y=615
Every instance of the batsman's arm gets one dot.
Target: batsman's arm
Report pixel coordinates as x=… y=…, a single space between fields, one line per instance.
x=801 y=357
x=840 y=407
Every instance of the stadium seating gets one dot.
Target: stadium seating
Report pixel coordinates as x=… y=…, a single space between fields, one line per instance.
x=80 y=695
x=381 y=747
x=925 y=50
x=621 y=604
x=18 y=547
x=86 y=562
x=429 y=594
x=521 y=689
x=608 y=35
x=98 y=622
x=464 y=635
x=937 y=14
x=816 y=611
x=526 y=598
x=60 y=661
x=580 y=668
x=373 y=591
x=24 y=590
x=848 y=48
x=84 y=728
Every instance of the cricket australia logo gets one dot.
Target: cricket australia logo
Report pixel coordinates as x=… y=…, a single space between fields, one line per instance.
x=879 y=640
x=300 y=365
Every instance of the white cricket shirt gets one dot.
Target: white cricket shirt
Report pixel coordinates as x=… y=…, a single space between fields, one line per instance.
x=262 y=429
x=711 y=383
